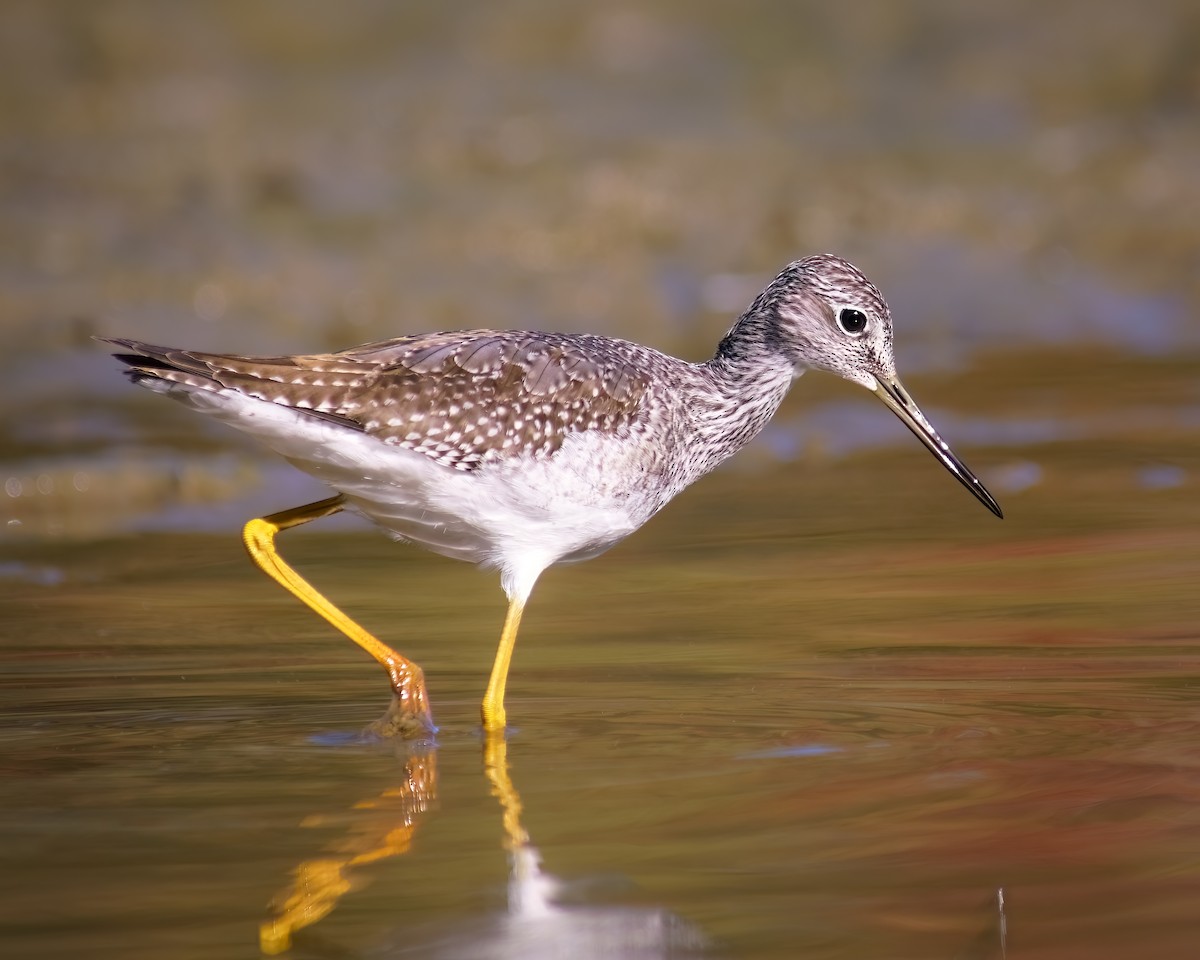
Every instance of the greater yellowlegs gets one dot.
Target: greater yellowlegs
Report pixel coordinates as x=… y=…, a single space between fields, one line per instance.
x=518 y=450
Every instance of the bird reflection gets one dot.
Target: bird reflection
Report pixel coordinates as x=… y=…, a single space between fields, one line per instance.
x=534 y=925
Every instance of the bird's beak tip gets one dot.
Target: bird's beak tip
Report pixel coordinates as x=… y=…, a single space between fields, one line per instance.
x=893 y=394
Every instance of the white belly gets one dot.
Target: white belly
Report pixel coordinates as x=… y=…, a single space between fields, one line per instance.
x=497 y=515
x=521 y=515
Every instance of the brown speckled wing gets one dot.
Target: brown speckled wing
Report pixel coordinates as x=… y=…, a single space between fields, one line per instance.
x=470 y=398
x=463 y=399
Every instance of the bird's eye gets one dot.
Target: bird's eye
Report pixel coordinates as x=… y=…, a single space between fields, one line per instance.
x=852 y=321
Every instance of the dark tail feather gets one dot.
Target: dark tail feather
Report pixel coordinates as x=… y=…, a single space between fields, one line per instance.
x=158 y=367
x=147 y=361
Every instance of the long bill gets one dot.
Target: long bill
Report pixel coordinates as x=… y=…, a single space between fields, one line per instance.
x=900 y=402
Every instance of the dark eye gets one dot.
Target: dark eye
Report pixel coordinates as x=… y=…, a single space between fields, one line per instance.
x=852 y=321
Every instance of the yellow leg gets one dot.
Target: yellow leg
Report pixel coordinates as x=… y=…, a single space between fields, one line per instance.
x=410 y=715
x=493 y=699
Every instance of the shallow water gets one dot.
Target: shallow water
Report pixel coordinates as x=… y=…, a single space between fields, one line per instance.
x=824 y=705
x=796 y=743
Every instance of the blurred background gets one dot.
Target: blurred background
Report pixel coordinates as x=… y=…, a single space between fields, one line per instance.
x=824 y=705
x=1019 y=179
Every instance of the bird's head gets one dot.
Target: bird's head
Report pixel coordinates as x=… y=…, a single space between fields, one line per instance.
x=823 y=314
x=828 y=316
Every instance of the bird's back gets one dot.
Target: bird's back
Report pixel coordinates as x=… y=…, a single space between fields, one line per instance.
x=464 y=398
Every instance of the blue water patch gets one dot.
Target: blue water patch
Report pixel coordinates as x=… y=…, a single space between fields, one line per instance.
x=795 y=750
x=1015 y=477
x=42 y=576
x=839 y=429
x=340 y=738
x=358 y=738
x=1161 y=477
x=1067 y=301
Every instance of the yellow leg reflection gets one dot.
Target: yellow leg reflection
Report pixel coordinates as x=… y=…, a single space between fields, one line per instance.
x=409 y=714
x=384 y=827
x=538 y=923
x=495 y=765
x=530 y=891
x=385 y=831
x=535 y=923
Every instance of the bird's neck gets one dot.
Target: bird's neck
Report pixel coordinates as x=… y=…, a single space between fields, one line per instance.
x=752 y=375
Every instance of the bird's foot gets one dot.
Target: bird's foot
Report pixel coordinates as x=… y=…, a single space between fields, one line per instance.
x=401 y=720
x=408 y=715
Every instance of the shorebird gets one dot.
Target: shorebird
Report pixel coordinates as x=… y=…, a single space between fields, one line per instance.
x=517 y=450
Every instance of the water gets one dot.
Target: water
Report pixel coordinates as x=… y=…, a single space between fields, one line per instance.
x=824 y=705
x=791 y=740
